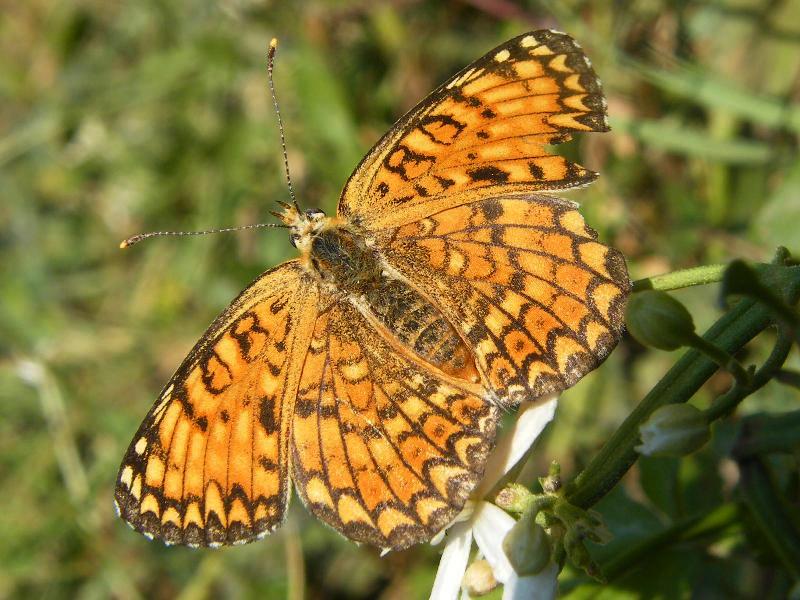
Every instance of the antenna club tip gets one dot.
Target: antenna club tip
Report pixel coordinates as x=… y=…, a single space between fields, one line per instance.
x=124 y=244
x=273 y=43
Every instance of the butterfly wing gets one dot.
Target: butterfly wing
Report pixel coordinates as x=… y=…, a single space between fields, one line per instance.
x=209 y=464
x=482 y=134
x=384 y=449
x=537 y=297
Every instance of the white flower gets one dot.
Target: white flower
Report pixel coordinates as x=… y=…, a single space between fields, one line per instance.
x=489 y=524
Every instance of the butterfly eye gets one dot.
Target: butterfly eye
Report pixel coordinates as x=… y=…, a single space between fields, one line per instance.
x=314 y=213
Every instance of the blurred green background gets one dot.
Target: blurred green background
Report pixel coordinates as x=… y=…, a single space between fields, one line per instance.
x=118 y=118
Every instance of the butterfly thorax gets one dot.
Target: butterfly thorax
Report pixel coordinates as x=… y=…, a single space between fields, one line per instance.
x=338 y=255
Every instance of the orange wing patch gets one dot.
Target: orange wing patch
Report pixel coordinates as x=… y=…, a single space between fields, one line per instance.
x=208 y=465
x=482 y=133
x=383 y=450
x=536 y=296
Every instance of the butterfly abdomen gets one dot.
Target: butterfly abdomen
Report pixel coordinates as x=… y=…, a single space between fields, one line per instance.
x=420 y=326
x=341 y=257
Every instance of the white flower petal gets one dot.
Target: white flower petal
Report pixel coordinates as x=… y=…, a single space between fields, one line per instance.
x=453 y=562
x=464 y=515
x=490 y=526
x=541 y=586
x=531 y=420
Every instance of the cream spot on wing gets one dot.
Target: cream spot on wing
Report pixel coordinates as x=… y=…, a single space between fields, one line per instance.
x=165 y=398
x=528 y=41
x=150 y=504
x=462 y=79
x=317 y=492
x=541 y=51
x=136 y=488
x=502 y=55
x=126 y=477
x=140 y=446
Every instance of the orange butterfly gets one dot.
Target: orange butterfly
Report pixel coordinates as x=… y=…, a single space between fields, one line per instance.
x=371 y=370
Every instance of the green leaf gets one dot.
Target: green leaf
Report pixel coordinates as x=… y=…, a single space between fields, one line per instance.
x=658 y=477
x=689 y=141
x=767 y=433
x=770 y=512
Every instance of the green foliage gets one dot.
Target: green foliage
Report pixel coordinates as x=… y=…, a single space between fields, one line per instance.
x=119 y=118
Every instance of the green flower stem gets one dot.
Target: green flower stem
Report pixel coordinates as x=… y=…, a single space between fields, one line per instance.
x=711 y=523
x=723 y=359
x=769 y=512
x=681 y=279
x=787 y=377
x=726 y=403
x=730 y=333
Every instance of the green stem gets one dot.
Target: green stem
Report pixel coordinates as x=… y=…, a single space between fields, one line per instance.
x=723 y=359
x=726 y=403
x=788 y=377
x=730 y=333
x=681 y=279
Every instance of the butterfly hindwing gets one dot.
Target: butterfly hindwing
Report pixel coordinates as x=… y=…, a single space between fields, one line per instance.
x=482 y=134
x=209 y=464
x=384 y=450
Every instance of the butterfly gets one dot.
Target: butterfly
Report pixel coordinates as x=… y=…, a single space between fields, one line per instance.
x=371 y=370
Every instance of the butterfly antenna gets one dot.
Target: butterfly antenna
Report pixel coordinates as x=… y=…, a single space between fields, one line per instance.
x=135 y=239
x=273 y=45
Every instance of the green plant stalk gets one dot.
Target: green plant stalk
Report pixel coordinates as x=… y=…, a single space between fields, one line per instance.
x=723 y=359
x=730 y=333
x=690 y=528
x=788 y=377
x=681 y=279
x=769 y=513
x=726 y=403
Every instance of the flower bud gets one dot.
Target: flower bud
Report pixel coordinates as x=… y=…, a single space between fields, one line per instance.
x=656 y=319
x=479 y=578
x=673 y=430
x=514 y=498
x=527 y=546
x=552 y=483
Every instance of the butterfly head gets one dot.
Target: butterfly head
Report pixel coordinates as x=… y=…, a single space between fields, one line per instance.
x=303 y=224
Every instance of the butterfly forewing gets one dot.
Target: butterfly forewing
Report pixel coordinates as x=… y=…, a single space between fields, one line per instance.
x=208 y=465
x=483 y=133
